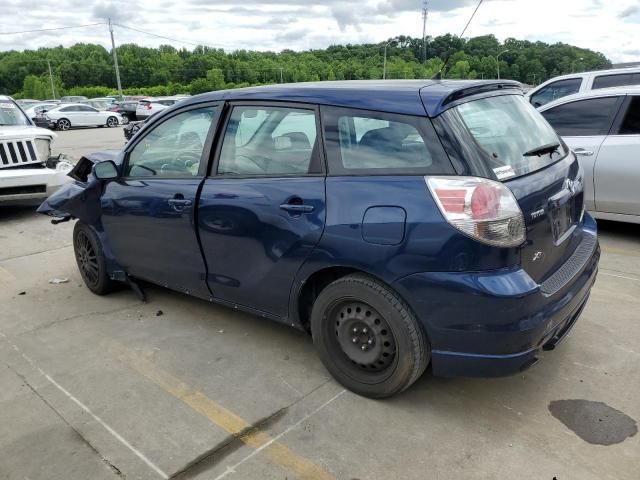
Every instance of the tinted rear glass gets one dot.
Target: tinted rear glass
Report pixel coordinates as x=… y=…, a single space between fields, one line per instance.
x=631 y=122
x=374 y=143
x=555 y=90
x=510 y=131
x=583 y=117
x=616 y=80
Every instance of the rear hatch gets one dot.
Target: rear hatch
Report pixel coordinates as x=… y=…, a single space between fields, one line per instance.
x=552 y=201
x=509 y=140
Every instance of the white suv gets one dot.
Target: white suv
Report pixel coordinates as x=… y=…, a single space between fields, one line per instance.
x=148 y=106
x=564 y=85
x=28 y=172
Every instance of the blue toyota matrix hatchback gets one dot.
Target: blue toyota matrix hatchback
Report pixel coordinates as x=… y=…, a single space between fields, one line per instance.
x=401 y=223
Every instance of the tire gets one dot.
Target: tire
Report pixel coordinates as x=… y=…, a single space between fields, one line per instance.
x=125 y=120
x=90 y=259
x=367 y=337
x=112 y=122
x=63 y=124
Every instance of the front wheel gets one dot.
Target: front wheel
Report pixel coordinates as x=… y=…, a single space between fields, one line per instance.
x=367 y=337
x=112 y=122
x=90 y=259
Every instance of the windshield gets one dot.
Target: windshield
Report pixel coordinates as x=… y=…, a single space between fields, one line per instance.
x=513 y=134
x=10 y=114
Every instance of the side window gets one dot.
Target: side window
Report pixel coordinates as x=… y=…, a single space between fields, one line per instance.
x=616 y=80
x=631 y=123
x=173 y=148
x=67 y=109
x=582 y=118
x=374 y=143
x=270 y=141
x=555 y=90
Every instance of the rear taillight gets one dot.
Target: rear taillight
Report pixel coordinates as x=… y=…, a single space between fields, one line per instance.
x=481 y=208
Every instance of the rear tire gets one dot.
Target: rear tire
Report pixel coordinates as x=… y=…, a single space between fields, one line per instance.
x=90 y=260
x=367 y=337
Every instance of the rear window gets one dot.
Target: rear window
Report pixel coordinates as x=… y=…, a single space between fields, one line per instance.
x=372 y=143
x=512 y=134
x=616 y=80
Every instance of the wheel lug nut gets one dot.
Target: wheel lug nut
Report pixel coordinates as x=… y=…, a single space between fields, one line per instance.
x=364 y=347
x=370 y=341
x=365 y=330
x=355 y=330
x=354 y=339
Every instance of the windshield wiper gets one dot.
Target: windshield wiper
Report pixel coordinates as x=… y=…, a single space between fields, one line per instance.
x=548 y=148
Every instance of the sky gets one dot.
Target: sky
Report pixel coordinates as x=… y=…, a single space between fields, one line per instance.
x=609 y=26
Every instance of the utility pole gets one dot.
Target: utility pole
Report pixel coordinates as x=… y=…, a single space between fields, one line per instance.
x=425 y=13
x=498 y=61
x=281 y=78
x=115 y=60
x=53 y=90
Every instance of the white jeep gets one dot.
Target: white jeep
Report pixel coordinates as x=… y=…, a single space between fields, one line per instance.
x=28 y=172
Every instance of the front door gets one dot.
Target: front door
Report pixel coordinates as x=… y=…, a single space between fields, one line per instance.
x=262 y=211
x=148 y=214
x=618 y=166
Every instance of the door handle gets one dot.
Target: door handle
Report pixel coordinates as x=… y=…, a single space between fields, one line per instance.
x=297 y=208
x=179 y=203
x=581 y=152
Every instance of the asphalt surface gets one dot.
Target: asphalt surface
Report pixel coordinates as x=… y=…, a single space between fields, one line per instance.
x=108 y=387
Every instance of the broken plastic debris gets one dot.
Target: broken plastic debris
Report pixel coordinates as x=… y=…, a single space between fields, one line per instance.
x=56 y=281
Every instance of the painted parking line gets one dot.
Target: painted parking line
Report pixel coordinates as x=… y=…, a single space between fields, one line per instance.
x=276 y=452
x=87 y=410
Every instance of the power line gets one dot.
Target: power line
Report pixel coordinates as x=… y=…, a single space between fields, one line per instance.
x=50 y=29
x=471 y=17
x=166 y=38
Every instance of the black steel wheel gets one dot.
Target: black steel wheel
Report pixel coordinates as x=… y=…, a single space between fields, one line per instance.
x=90 y=259
x=112 y=122
x=363 y=335
x=63 y=124
x=367 y=337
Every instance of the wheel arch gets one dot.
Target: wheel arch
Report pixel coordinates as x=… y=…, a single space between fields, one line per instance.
x=310 y=287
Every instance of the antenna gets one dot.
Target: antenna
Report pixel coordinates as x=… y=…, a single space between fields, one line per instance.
x=425 y=14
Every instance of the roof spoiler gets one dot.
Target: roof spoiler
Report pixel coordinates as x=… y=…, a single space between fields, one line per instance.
x=482 y=88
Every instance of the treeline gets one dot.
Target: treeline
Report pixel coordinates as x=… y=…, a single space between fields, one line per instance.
x=87 y=69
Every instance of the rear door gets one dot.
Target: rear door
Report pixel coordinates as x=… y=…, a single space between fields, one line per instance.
x=149 y=213
x=262 y=210
x=617 y=169
x=583 y=125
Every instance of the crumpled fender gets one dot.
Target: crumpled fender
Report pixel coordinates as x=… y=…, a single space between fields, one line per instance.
x=80 y=198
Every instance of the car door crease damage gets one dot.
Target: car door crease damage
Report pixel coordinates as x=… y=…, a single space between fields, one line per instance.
x=402 y=223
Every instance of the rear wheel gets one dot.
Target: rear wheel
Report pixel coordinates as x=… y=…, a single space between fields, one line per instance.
x=367 y=337
x=63 y=124
x=112 y=122
x=90 y=259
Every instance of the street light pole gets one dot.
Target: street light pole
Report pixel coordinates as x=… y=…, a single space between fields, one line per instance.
x=53 y=91
x=115 y=60
x=498 y=61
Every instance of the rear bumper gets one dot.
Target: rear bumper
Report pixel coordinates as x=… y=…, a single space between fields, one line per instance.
x=487 y=324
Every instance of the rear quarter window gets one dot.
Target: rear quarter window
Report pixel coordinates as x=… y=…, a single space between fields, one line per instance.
x=360 y=142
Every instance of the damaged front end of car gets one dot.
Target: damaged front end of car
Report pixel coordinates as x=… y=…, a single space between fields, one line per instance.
x=79 y=198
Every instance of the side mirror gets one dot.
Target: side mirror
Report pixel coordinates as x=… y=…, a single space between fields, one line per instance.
x=106 y=170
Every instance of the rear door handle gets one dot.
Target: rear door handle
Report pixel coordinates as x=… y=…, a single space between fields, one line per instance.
x=293 y=208
x=581 y=152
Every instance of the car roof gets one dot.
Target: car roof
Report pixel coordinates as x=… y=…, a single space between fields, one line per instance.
x=611 y=71
x=599 y=92
x=393 y=96
x=72 y=104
